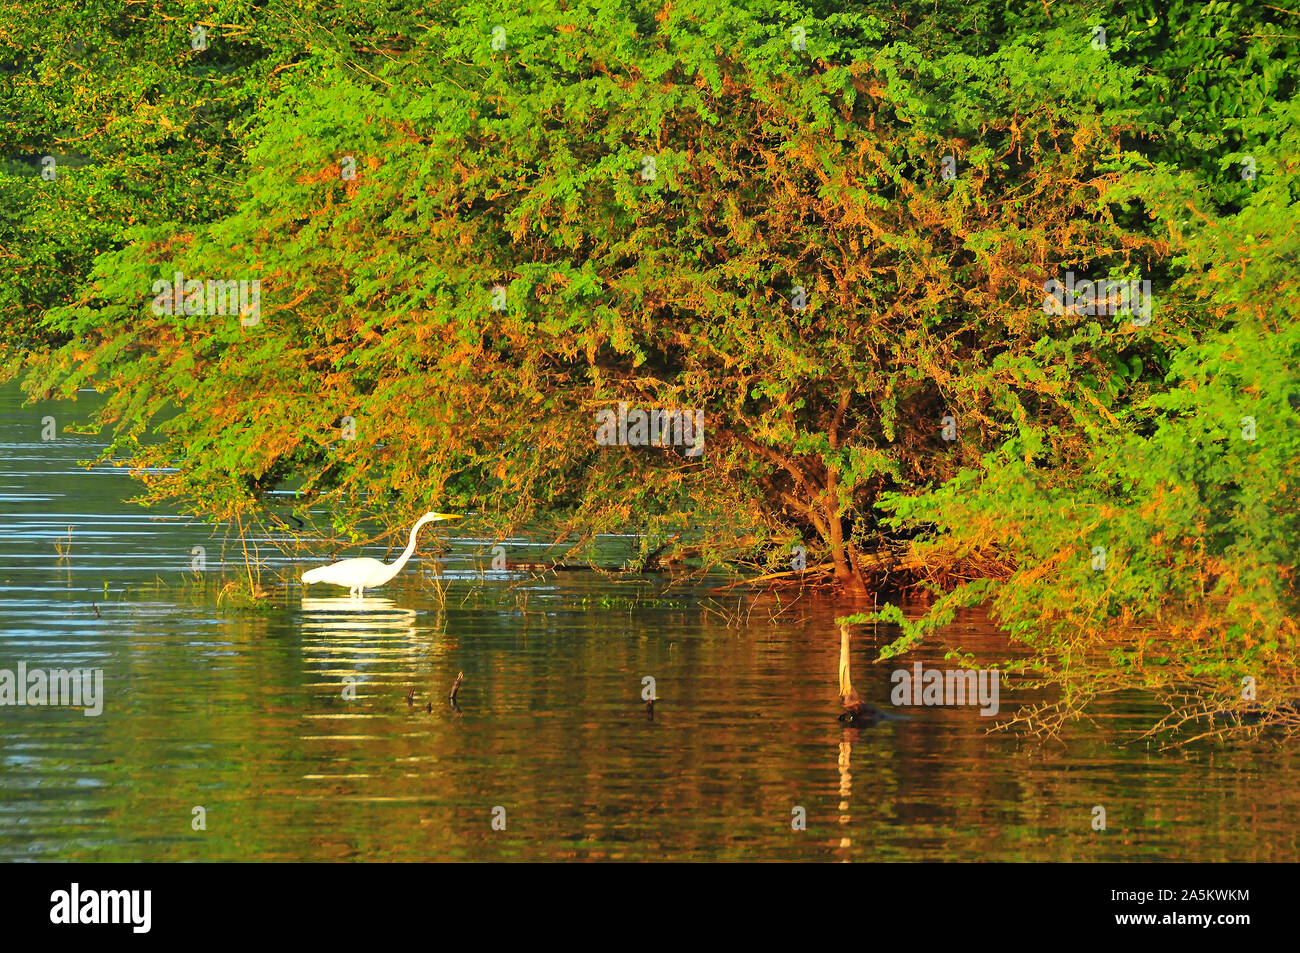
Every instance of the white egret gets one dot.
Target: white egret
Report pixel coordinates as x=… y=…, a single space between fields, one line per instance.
x=365 y=573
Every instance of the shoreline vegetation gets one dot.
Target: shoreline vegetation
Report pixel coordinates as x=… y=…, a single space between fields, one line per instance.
x=993 y=307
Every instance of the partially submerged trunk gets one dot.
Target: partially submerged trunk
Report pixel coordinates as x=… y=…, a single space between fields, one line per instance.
x=847 y=695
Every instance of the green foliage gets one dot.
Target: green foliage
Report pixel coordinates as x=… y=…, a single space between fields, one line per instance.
x=1190 y=490
x=773 y=167
x=651 y=184
x=144 y=128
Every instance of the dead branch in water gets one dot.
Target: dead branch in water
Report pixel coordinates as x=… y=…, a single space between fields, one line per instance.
x=812 y=571
x=887 y=565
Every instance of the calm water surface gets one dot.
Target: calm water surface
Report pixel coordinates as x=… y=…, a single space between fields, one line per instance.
x=244 y=713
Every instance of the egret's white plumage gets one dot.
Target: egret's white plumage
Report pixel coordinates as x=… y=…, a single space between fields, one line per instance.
x=365 y=573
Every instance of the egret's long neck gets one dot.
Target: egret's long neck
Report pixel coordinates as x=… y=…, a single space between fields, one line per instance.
x=395 y=568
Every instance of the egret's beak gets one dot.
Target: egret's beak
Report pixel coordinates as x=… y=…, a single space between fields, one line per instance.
x=448 y=516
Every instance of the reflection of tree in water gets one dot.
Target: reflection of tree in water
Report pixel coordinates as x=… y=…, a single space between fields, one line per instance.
x=846 y=788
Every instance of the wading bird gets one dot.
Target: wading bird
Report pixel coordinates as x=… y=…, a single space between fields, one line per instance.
x=366 y=573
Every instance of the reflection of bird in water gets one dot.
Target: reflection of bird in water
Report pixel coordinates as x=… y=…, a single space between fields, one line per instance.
x=367 y=615
x=365 y=573
x=343 y=636
x=856 y=711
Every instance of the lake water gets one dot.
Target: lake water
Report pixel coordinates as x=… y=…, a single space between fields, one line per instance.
x=289 y=725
